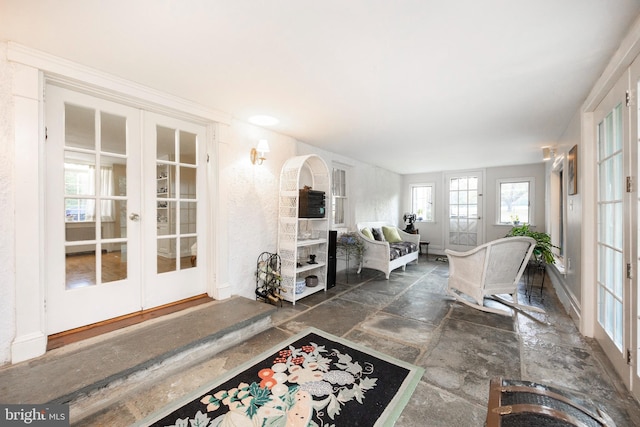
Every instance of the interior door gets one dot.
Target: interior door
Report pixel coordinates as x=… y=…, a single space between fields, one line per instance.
x=175 y=205
x=92 y=199
x=614 y=329
x=464 y=229
x=634 y=298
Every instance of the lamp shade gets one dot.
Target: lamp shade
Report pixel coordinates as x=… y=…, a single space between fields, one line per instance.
x=263 y=146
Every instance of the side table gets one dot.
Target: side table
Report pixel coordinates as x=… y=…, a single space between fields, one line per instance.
x=426 y=245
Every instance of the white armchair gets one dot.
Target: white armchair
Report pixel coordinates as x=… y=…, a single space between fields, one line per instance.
x=492 y=269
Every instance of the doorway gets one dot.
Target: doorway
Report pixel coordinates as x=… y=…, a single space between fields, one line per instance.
x=105 y=230
x=617 y=324
x=464 y=229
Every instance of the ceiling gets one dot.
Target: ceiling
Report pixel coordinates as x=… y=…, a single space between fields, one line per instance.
x=411 y=86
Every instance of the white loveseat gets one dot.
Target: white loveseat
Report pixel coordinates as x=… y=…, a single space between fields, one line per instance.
x=383 y=255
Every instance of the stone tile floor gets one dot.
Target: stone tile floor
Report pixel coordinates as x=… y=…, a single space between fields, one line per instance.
x=411 y=318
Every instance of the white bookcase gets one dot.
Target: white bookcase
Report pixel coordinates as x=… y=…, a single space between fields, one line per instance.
x=299 y=238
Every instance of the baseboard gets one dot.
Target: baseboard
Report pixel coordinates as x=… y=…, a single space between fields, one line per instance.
x=28 y=346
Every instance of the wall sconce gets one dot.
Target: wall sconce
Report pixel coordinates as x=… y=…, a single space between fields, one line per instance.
x=257 y=154
x=548 y=153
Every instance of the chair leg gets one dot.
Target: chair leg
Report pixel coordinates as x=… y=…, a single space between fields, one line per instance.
x=478 y=306
x=516 y=305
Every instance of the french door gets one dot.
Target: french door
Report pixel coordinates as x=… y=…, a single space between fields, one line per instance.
x=463 y=230
x=615 y=286
x=122 y=185
x=174 y=156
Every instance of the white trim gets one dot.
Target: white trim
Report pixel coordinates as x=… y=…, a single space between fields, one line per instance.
x=32 y=69
x=101 y=84
x=532 y=192
x=626 y=53
x=28 y=346
x=433 y=200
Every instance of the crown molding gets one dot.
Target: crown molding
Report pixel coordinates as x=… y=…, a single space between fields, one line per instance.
x=76 y=76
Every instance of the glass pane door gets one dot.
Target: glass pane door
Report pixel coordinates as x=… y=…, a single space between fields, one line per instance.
x=93 y=259
x=176 y=204
x=611 y=264
x=177 y=195
x=95 y=197
x=464 y=229
x=613 y=302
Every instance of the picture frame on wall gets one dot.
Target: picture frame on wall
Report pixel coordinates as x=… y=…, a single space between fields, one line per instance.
x=573 y=171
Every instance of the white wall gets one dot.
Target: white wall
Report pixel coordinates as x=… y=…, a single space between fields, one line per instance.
x=569 y=284
x=244 y=204
x=7 y=227
x=434 y=231
x=252 y=200
x=374 y=193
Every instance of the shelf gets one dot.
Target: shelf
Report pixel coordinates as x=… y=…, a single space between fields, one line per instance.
x=297 y=173
x=309 y=267
x=307 y=291
x=310 y=242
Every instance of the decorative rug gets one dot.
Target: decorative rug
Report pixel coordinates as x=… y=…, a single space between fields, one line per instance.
x=311 y=379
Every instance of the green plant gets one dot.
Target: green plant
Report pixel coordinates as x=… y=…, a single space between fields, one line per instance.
x=348 y=242
x=544 y=248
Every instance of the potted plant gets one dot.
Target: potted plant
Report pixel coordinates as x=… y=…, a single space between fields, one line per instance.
x=350 y=243
x=544 y=248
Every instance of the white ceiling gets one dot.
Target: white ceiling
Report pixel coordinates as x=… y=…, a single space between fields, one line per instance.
x=409 y=85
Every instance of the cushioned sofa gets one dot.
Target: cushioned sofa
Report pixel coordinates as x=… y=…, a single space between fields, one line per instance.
x=386 y=247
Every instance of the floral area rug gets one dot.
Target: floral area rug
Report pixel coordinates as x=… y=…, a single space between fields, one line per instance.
x=311 y=379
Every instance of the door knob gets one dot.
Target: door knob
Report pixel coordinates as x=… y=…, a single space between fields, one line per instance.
x=134 y=217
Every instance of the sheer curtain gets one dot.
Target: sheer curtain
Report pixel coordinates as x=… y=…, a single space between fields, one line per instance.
x=106 y=190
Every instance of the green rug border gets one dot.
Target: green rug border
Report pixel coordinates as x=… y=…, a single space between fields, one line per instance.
x=387 y=418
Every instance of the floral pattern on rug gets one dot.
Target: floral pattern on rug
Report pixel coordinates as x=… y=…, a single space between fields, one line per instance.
x=308 y=383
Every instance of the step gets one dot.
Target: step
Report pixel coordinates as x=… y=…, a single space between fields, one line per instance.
x=93 y=374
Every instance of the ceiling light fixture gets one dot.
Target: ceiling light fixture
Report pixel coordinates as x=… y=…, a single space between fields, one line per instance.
x=257 y=154
x=263 y=120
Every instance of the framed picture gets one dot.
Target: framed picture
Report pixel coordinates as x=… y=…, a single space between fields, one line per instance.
x=573 y=170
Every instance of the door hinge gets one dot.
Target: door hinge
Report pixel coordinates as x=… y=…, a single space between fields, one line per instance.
x=629 y=358
x=629 y=184
x=628 y=98
x=629 y=271
x=46 y=133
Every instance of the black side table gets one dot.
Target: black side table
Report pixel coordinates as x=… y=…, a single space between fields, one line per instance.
x=426 y=245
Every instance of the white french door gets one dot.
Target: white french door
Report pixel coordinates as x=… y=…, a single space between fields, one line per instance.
x=93 y=264
x=463 y=230
x=174 y=158
x=614 y=303
x=634 y=294
x=125 y=201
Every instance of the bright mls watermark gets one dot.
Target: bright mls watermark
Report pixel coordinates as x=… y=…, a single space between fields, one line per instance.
x=34 y=415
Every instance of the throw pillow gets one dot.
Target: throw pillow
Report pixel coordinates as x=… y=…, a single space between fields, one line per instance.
x=377 y=234
x=367 y=233
x=391 y=234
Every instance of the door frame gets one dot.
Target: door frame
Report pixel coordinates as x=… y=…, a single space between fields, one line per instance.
x=481 y=207
x=614 y=98
x=31 y=70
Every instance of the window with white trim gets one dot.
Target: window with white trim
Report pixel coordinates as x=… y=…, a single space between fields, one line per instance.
x=515 y=201
x=339 y=197
x=422 y=202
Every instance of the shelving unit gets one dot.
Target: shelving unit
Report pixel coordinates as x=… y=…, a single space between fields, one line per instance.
x=163 y=213
x=299 y=238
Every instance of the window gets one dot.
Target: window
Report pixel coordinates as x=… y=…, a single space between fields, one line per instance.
x=422 y=202
x=339 y=197
x=515 y=201
x=80 y=201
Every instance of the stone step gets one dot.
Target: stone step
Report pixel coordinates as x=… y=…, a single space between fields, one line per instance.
x=93 y=374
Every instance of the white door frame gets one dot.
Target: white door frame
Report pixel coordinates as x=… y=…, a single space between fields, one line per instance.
x=29 y=70
x=480 y=173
